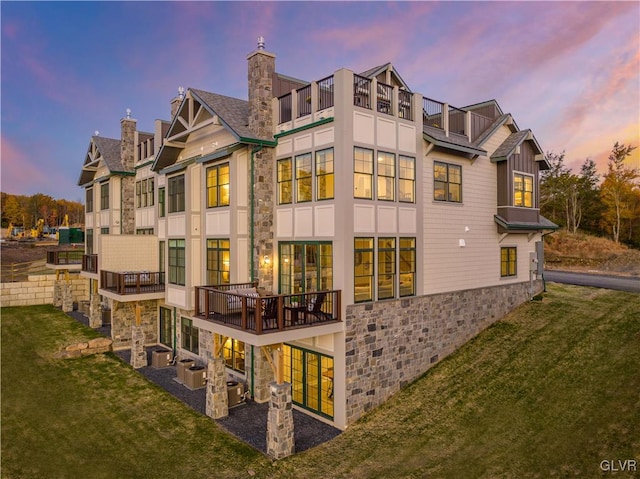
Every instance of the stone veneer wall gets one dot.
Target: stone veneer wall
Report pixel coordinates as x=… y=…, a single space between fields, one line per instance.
x=128 y=183
x=390 y=344
x=38 y=289
x=123 y=317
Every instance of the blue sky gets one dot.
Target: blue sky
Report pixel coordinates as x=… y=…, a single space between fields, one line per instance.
x=570 y=71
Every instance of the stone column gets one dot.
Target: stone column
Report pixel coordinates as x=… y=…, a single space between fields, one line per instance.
x=67 y=298
x=57 y=293
x=95 y=311
x=280 y=436
x=262 y=375
x=217 y=397
x=138 y=353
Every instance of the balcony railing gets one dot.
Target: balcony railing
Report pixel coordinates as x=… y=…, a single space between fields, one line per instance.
x=132 y=282
x=284 y=102
x=404 y=104
x=63 y=257
x=304 y=101
x=325 y=93
x=384 y=94
x=457 y=121
x=90 y=263
x=361 y=91
x=259 y=314
x=432 y=113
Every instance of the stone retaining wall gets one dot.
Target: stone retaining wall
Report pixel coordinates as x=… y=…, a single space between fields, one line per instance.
x=38 y=289
x=390 y=344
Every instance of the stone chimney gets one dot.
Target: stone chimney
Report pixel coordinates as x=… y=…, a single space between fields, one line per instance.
x=176 y=102
x=128 y=183
x=262 y=66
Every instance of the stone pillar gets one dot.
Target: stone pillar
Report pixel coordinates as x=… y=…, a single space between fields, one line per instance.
x=138 y=353
x=261 y=375
x=217 y=397
x=280 y=434
x=95 y=311
x=57 y=293
x=67 y=297
x=128 y=183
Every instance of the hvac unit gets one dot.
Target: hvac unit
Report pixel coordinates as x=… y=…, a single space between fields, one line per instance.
x=183 y=365
x=195 y=377
x=161 y=358
x=235 y=392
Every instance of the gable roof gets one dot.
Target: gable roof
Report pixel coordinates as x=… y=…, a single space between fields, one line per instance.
x=375 y=71
x=505 y=119
x=108 y=151
x=508 y=146
x=458 y=143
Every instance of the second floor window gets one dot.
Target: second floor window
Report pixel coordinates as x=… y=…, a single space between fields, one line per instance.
x=304 y=177
x=218 y=262
x=104 y=196
x=362 y=173
x=285 y=182
x=89 y=201
x=176 y=194
x=522 y=190
x=324 y=174
x=447 y=182
x=407 y=179
x=161 y=203
x=218 y=185
x=386 y=176
x=177 y=263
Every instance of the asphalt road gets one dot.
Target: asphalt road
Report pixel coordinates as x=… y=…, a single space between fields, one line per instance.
x=621 y=283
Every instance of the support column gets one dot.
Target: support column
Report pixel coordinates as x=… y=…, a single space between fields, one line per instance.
x=280 y=434
x=67 y=297
x=217 y=397
x=261 y=375
x=95 y=311
x=138 y=353
x=57 y=293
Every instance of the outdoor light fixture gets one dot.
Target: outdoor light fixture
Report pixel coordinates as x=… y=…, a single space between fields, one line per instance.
x=266 y=259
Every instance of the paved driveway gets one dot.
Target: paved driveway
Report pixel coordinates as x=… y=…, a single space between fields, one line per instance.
x=621 y=283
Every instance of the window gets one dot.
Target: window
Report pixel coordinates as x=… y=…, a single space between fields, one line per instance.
x=233 y=353
x=176 y=262
x=386 y=176
x=407 y=179
x=324 y=174
x=144 y=231
x=407 y=267
x=304 y=178
x=176 y=194
x=523 y=190
x=165 y=327
x=285 y=182
x=363 y=269
x=305 y=267
x=161 y=203
x=218 y=262
x=189 y=335
x=104 y=231
x=386 y=268
x=144 y=193
x=104 y=196
x=218 y=185
x=150 y=192
x=138 y=190
x=88 y=241
x=447 y=182
x=362 y=173
x=89 y=200
x=161 y=256
x=508 y=261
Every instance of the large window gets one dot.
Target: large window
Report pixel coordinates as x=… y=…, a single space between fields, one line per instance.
x=363 y=269
x=305 y=267
x=166 y=327
x=218 y=262
x=89 y=200
x=176 y=194
x=523 y=190
x=386 y=268
x=218 y=185
x=386 y=176
x=407 y=179
x=304 y=180
x=161 y=203
x=177 y=262
x=233 y=352
x=407 y=267
x=104 y=196
x=189 y=335
x=362 y=173
x=508 y=261
x=447 y=182
x=324 y=174
x=88 y=241
x=285 y=182
x=144 y=193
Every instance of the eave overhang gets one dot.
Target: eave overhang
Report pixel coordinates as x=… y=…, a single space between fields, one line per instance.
x=505 y=226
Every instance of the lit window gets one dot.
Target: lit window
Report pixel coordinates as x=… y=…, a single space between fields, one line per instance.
x=523 y=190
x=508 y=261
x=386 y=176
x=447 y=182
x=363 y=269
x=285 y=182
x=407 y=179
x=218 y=262
x=304 y=178
x=218 y=185
x=407 y=266
x=324 y=174
x=362 y=173
x=386 y=268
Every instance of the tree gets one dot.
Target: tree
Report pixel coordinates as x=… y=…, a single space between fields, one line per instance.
x=591 y=203
x=553 y=189
x=617 y=192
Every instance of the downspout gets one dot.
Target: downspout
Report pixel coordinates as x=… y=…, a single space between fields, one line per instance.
x=253 y=373
x=175 y=338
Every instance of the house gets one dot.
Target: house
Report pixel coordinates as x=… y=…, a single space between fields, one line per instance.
x=363 y=230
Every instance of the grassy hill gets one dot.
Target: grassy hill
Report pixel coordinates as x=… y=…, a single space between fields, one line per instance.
x=583 y=252
x=550 y=391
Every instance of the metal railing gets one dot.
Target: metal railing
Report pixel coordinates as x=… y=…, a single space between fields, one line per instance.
x=235 y=306
x=284 y=103
x=384 y=94
x=404 y=104
x=90 y=263
x=457 y=121
x=63 y=257
x=361 y=91
x=304 y=100
x=432 y=113
x=325 y=93
x=132 y=282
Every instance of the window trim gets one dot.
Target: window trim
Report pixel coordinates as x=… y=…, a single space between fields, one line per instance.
x=363 y=174
x=524 y=190
x=177 y=271
x=176 y=193
x=447 y=182
x=388 y=179
x=282 y=182
x=357 y=261
x=510 y=263
x=218 y=187
x=329 y=176
x=300 y=179
x=218 y=251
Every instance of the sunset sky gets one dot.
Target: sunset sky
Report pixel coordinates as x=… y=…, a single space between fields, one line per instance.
x=570 y=71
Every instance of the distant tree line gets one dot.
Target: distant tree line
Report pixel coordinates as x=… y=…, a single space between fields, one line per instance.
x=21 y=210
x=582 y=202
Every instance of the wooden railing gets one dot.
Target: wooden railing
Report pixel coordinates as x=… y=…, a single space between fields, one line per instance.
x=13 y=272
x=90 y=263
x=237 y=306
x=132 y=282
x=63 y=257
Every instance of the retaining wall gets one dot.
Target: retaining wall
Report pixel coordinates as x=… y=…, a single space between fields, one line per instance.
x=38 y=289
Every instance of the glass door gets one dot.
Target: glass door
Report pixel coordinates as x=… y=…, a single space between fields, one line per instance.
x=305 y=267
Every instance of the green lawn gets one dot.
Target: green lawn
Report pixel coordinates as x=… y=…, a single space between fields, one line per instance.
x=551 y=391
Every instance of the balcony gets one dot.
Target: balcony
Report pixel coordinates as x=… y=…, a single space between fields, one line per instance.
x=65 y=259
x=132 y=282
x=90 y=263
x=241 y=307
x=306 y=101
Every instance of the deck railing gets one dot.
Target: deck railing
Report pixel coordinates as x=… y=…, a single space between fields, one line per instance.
x=63 y=257
x=384 y=95
x=432 y=113
x=361 y=91
x=404 y=104
x=457 y=121
x=132 y=282
x=304 y=100
x=90 y=263
x=233 y=306
x=325 y=93
x=284 y=102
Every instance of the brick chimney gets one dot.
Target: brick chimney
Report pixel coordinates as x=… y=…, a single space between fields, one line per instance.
x=262 y=66
x=127 y=183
